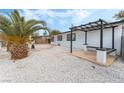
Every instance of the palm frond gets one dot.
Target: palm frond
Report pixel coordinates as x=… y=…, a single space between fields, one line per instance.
x=17 y=27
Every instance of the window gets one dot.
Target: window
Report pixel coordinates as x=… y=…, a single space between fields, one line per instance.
x=59 y=38
x=73 y=37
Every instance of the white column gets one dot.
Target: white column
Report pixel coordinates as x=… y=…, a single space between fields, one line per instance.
x=85 y=47
x=101 y=56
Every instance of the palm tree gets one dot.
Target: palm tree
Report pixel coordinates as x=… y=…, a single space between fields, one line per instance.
x=18 y=29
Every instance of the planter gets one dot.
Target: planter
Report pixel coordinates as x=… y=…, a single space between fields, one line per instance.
x=101 y=56
x=85 y=47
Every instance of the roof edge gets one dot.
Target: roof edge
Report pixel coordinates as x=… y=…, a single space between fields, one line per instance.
x=116 y=22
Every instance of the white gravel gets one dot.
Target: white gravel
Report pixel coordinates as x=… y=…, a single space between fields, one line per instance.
x=53 y=64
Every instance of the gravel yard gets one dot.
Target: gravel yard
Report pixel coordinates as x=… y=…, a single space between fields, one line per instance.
x=48 y=64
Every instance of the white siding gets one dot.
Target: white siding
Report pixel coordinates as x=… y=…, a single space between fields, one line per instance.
x=93 y=39
x=118 y=33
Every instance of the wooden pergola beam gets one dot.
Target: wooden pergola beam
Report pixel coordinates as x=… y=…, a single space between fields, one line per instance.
x=99 y=25
x=106 y=23
x=91 y=28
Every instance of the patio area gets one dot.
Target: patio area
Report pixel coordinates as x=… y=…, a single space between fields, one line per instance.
x=91 y=56
x=101 y=54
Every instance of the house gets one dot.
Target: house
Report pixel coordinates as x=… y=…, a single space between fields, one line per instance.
x=93 y=36
x=42 y=40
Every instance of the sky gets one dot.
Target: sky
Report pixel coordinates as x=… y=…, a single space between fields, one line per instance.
x=63 y=19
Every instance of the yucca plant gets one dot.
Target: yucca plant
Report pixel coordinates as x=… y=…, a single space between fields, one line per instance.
x=17 y=30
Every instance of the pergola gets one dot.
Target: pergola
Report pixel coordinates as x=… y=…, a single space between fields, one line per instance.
x=92 y=26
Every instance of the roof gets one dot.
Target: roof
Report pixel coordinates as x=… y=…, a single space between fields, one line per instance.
x=41 y=36
x=92 y=26
x=116 y=23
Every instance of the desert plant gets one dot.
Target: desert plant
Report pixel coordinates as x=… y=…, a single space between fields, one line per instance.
x=17 y=30
x=119 y=15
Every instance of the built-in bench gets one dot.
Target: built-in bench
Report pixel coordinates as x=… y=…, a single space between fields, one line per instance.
x=101 y=54
x=111 y=50
x=93 y=48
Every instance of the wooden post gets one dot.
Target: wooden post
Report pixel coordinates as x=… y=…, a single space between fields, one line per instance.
x=71 y=42
x=113 y=37
x=101 y=34
x=85 y=37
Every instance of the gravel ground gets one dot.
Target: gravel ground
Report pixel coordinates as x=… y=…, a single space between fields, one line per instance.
x=53 y=64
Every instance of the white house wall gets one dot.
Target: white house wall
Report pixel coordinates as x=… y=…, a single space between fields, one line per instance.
x=93 y=39
x=118 y=34
x=76 y=44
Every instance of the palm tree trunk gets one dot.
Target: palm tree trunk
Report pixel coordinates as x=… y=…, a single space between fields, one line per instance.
x=8 y=46
x=18 y=51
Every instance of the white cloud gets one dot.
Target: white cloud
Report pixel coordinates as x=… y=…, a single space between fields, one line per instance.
x=75 y=16
x=50 y=21
x=78 y=16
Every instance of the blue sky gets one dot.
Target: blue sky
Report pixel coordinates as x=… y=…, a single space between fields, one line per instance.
x=62 y=19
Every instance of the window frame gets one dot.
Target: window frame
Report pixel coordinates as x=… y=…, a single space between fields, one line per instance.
x=59 y=38
x=73 y=37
